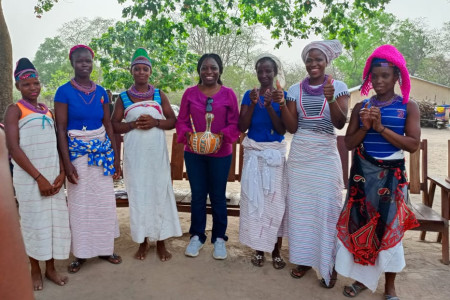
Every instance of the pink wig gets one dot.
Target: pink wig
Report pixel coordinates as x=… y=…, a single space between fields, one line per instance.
x=392 y=55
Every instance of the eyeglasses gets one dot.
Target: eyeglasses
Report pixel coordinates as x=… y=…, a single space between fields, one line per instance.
x=209 y=102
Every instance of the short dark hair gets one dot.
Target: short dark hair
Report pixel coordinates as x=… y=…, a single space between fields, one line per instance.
x=76 y=51
x=267 y=58
x=218 y=60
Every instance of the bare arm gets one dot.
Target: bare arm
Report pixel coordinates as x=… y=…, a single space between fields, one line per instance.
x=117 y=117
x=12 y=117
x=16 y=279
x=411 y=140
x=169 y=122
x=338 y=111
x=61 y=130
x=289 y=116
x=355 y=134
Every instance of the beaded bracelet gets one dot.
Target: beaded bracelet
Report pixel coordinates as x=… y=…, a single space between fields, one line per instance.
x=384 y=127
x=37 y=177
x=332 y=100
x=157 y=124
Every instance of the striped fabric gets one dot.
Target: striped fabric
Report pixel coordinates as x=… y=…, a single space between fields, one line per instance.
x=313 y=111
x=92 y=205
x=314 y=200
x=260 y=233
x=393 y=117
x=146 y=167
x=44 y=220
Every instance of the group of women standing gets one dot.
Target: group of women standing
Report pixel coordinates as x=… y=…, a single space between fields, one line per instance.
x=299 y=197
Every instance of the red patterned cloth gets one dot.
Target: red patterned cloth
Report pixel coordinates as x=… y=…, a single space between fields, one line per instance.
x=375 y=215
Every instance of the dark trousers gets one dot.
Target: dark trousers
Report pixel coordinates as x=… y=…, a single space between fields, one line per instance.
x=208 y=175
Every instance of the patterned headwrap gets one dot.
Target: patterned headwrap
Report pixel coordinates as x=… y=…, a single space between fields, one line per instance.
x=78 y=47
x=25 y=69
x=331 y=48
x=389 y=54
x=140 y=56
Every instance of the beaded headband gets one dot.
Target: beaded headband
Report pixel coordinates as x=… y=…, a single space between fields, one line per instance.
x=78 y=47
x=27 y=73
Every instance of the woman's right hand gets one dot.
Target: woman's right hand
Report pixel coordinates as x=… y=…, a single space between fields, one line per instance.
x=45 y=188
x=254 y=95
x=364 y=116
x=188 y=139
x=71 y=173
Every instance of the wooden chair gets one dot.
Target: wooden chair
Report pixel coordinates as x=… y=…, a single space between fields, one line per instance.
x=429 y=220
x=444 y=184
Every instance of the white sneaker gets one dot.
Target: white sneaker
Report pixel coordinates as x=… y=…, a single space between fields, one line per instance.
x=194 y=246
x=220 y=251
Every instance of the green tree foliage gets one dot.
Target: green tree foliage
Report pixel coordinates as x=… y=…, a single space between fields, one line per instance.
x=412 y=39
x=172 y=63
x=375 y=32
x=51 y=57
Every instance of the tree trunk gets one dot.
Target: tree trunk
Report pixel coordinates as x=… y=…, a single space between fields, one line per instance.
x=6 y=81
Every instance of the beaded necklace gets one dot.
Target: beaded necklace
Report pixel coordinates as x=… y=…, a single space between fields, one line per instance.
x=316 y=91
x=85 y=90
x=41 y=108
x=141 y=95
x=377 y=103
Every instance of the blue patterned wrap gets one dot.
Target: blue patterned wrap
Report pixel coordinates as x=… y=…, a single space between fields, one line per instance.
x=99 y=153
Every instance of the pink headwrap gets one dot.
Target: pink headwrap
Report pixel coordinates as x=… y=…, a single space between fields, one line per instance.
x=391 y=54
x=78 y=47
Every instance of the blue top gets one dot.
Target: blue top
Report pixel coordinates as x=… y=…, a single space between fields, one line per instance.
x=83 y=111
x=261 y=128
x=127 y=101
x=393 y=117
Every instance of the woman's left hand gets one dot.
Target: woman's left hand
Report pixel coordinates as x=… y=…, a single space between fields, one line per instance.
x=59 y=181
x=328 y=89
x=375 y=115
x=117 y=173
x=146 y=122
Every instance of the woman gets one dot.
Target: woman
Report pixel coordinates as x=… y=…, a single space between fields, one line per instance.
x=147 y=112
x=263 y=175
x=90 y=157
x=381 y=129
x=38 y=177
x=314 y=173
x=208 y=173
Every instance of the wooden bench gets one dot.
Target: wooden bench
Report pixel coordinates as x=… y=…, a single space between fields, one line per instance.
x=429 y=219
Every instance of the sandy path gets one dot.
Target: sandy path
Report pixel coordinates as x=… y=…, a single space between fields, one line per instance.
x=235 y=278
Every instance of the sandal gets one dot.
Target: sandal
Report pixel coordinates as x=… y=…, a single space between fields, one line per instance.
x=300 y=271
x=75 y=265
x=355 y=288
x=278 y=262
x=258 y=260
x=114 y=258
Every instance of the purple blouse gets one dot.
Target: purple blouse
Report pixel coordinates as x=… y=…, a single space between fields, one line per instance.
x=226 y=116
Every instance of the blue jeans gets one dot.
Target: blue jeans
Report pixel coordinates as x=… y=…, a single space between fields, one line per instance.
x=208 y=175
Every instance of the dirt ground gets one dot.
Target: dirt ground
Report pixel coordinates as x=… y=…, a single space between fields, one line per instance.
x=236 y=278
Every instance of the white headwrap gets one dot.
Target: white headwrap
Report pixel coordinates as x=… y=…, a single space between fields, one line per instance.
x=280 y=76
x=331 y=48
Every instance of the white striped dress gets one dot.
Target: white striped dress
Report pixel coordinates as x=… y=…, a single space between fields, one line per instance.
x=260 y=232
x=146 y=168
x=44 y=220
x=92 y=205
x=314 y=173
